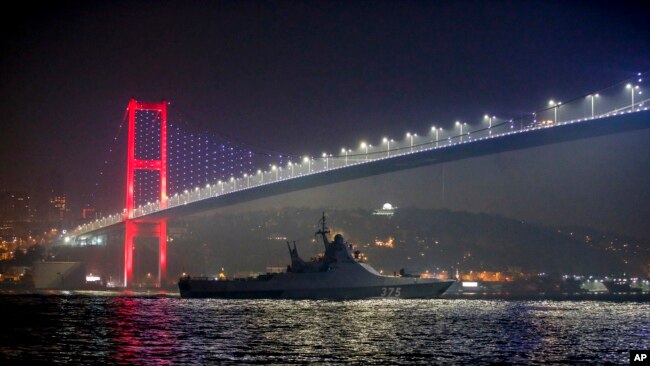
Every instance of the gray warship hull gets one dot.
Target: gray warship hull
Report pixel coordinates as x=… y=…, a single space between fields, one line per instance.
x=209 y=289
x=344 y=282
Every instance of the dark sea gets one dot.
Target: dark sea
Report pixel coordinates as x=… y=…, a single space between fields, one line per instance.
x=165 y=330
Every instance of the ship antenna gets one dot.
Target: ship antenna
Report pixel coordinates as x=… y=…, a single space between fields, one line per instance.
x=323 y=230
x=324 y=226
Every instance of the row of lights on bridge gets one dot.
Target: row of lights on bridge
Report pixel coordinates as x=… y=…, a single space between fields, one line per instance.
x=634 y=89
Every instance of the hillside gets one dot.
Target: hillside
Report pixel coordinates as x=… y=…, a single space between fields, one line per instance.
x=414 y=239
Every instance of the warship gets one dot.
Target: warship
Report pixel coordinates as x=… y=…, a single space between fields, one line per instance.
x=340 y=273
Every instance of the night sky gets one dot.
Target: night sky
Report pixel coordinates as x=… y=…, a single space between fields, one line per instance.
x=307 y=77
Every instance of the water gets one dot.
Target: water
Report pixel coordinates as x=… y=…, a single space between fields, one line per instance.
x=170 y=330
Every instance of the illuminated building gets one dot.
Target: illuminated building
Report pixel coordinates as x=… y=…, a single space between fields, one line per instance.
x=14 y=213
x=386 y=210
x=57 y=207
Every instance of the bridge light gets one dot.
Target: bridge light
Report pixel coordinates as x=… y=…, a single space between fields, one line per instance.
x=632 y=88
x=343 y=150
x=554 y=105
x=307 y=160
x=490 y=119
x=592 y=97
x=459 y=124
x=387 y=141
x=408 y=134
x=365 y=146
x=436 y=130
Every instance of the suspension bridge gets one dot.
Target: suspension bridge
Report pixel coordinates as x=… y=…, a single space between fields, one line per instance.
x=169 y=174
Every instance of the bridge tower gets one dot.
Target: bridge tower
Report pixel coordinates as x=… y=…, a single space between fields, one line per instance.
x=149 y=228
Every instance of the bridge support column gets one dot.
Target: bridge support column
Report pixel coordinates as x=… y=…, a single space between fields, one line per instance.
x=162 y=252
x=135 y=227
x=129 y=237
x=145 y=229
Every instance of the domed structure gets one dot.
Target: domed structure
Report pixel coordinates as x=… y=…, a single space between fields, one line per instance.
x=386 y=210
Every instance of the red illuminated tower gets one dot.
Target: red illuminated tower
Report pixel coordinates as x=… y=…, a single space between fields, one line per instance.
x=136 y=227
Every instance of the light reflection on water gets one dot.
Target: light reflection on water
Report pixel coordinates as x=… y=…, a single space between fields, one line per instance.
x=167 y=330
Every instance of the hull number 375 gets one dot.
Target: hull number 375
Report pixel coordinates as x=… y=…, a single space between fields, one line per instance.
x=391 y=291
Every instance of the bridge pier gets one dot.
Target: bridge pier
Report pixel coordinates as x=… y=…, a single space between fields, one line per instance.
x=145 y=229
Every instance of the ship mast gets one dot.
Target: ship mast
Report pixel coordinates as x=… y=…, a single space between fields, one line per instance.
x=323 y=231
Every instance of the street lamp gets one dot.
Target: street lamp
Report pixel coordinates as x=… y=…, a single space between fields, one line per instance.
x=275 y=169
x=632 y=87
x=327 y=162
x=592 y=96
x=307 y=160
x=259 y=172
x=365 y=146
x=436 y=130
x=248 y=180
x=387 y=141
x=291 y=165
x=489 y=123
x=343 y=150
x=461 y=129
x=555 y=107
x=408 y=134
x=209 y=187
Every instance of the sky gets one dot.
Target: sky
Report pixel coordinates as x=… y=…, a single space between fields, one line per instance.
x=306 y=77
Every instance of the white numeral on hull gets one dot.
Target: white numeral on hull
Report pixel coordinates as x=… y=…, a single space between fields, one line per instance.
x=391 y=291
